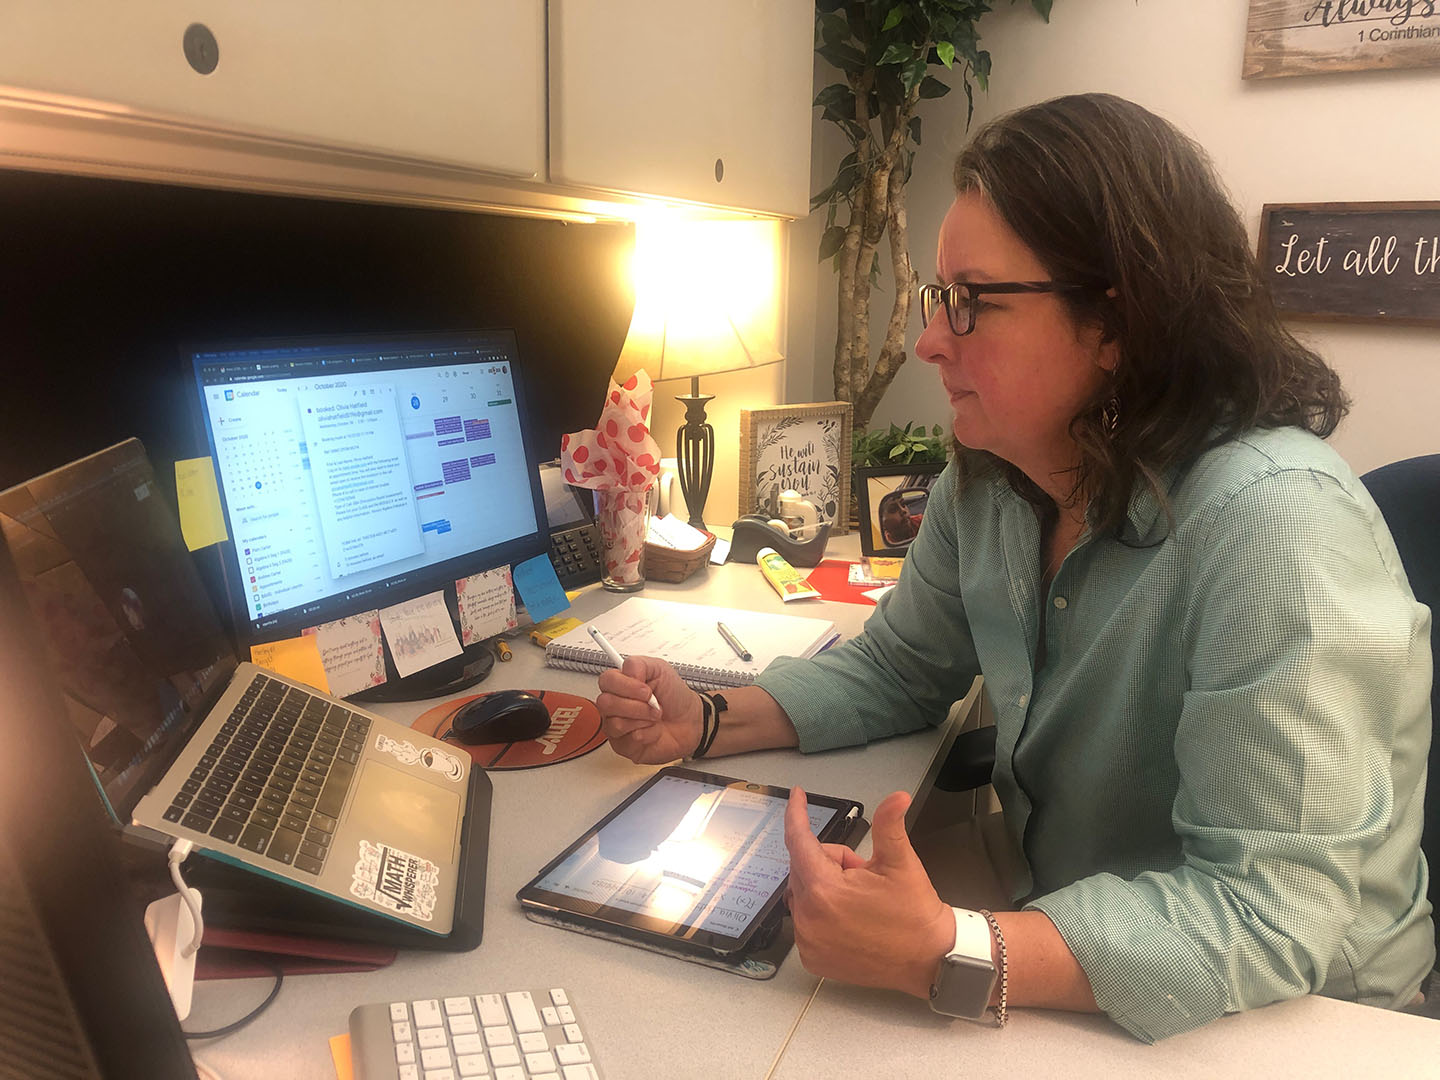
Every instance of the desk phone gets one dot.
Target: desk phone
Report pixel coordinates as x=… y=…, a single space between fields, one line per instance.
x=575 y=551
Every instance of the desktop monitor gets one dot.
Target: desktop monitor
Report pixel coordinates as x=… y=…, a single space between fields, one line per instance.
x=359 y=472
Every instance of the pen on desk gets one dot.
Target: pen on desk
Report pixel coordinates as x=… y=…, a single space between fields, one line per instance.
x=733 y=641
x=615 y=658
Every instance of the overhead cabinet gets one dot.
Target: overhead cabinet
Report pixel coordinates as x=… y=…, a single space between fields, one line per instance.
x=451 y=82
x=702 y=101
x=491 y=103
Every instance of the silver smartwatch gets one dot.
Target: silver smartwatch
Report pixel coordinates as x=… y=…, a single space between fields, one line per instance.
x=965 y=976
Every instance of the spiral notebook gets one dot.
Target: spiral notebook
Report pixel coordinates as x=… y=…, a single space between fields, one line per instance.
x=685 y=635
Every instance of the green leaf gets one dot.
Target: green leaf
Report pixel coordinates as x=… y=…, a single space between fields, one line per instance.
x=897 y=52
x=831 y=242
x=935 y=431
x=932 y=87
x=844 y=57
x=834 y=30
x=1043 y=7
x=828 y=195
x=892 y=20
x=915 y=130
x=896 y=452
x=947 y=53
x=834 y=94
x=824 y=7
x=914 y=73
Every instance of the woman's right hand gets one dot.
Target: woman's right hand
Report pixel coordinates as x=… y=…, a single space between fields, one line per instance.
x=635 y=729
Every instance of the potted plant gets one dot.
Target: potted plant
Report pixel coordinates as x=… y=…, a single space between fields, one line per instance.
x=885 y=50
x=893 y=446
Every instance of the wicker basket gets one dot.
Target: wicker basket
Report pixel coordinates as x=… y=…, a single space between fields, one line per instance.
x=667 y=564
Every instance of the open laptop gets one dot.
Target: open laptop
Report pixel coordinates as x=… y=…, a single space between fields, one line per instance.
x=256 y=770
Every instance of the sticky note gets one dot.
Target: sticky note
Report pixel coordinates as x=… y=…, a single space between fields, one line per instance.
x=297 y=657
x=201 y=521
x=539 y=588
x=487 y=605
x=420 y=633
x=351 y=651
x=340 y=1055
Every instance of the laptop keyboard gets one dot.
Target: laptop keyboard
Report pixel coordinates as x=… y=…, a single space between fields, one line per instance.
x=275 y=777
x=522 y=1035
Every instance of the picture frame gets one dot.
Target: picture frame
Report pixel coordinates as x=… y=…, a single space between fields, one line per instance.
x=892 y=501
x=801 y=447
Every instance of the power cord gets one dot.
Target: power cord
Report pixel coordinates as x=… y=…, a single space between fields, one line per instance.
x=251 y=1015
x=178 y=851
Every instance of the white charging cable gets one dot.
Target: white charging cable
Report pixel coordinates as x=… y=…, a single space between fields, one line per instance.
x=178 y=851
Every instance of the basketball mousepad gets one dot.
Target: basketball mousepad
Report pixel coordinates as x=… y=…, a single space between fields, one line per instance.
x=574 y=732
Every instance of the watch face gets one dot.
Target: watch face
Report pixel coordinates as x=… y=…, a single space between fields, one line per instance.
x=962 y=986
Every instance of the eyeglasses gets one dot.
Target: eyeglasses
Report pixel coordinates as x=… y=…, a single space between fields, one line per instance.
x=961 y=299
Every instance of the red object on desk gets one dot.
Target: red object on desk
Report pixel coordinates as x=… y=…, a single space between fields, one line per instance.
x=243 y=954
x=832 y=578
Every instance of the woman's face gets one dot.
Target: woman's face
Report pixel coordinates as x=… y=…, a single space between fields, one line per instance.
x=1017 y=379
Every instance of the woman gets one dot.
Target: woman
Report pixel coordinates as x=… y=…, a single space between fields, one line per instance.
x=1209 y=675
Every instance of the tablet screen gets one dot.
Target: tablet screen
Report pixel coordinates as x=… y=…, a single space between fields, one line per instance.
x=687 y=857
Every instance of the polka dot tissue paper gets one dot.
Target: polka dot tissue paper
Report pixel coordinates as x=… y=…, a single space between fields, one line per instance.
x=620 y=460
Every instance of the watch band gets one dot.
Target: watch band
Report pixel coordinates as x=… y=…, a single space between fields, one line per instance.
x=972 y=935
x=965 y=976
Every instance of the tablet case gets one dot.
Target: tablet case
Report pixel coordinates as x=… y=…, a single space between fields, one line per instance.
x=761 y=961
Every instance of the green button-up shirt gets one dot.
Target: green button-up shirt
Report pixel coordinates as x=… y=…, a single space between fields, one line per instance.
x=1215 y=766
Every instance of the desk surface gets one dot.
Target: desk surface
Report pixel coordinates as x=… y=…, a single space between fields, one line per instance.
x=648 y=1015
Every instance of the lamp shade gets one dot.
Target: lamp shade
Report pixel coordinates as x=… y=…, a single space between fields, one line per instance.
x=673 y=341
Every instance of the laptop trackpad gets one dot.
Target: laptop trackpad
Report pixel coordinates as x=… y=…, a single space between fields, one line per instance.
x=392 y=807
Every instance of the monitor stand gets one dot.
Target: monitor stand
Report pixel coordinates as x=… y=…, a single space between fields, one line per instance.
x=444 y=679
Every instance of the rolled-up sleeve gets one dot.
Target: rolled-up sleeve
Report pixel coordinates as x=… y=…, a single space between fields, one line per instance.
x=1303 y=717
x=914 y=659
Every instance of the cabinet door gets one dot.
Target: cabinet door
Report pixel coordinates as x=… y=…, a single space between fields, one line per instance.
x=459 y=82
x=703 y=100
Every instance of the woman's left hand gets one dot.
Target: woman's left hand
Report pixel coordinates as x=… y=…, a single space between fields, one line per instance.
x=874 y=922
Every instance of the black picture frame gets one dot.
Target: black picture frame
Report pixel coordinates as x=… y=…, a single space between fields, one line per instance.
x=896 y=492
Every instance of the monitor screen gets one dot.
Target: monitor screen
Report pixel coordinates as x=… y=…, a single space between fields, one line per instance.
x=355 y=473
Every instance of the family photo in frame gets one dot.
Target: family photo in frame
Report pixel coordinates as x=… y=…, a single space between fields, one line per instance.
x=892 y=501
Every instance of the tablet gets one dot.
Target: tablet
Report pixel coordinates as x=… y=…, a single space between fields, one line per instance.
x=690 y=860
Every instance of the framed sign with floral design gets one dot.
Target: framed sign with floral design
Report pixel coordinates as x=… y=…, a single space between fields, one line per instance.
x=805 y=448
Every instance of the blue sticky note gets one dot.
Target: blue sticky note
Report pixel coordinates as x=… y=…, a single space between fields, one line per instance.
x=539 y=588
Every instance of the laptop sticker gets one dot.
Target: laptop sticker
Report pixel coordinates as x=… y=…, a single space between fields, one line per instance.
x=447 y=765
x=396 y=880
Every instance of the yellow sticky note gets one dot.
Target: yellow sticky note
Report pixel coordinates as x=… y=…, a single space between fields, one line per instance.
x=340 y=1055
x=201 y=522
x=551 y=628
x=297 y=657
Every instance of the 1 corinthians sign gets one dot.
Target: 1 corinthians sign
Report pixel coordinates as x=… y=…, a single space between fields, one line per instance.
x=1308 y=37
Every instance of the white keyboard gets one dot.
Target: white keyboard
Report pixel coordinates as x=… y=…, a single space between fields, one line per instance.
x=521 y=1035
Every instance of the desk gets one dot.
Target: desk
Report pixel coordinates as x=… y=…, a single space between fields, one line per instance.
x=650 y=1016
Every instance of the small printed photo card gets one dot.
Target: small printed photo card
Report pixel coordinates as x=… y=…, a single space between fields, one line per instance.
x=420 y=633
x=487 y=605
x=352 y=652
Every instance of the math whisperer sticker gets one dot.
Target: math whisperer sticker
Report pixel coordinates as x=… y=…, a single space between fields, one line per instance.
x=405 y=884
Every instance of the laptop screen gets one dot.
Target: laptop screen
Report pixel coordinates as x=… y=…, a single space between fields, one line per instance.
x=356 y=473
x=130 y=630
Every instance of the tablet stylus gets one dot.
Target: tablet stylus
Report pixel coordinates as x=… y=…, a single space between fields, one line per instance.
x=615 y=658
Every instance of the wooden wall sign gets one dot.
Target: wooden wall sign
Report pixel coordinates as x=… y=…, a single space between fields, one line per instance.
x=1310 y=37
x=1370 y=262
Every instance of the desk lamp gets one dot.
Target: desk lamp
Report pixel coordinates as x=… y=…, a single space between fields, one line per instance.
x=682 y=338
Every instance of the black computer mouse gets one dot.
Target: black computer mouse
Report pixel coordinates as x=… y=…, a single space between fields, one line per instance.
x=499 y=717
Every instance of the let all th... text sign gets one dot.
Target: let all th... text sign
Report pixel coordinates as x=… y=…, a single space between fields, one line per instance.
x=1310 y=37
x=1354 y=261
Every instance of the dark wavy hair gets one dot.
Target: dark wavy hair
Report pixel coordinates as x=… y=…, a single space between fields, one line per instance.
x=1101 y=189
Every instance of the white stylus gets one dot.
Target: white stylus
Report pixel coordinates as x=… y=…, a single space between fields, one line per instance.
x=615 y=657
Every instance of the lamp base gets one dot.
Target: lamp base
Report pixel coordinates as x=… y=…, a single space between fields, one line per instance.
x=695 y=453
